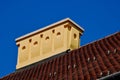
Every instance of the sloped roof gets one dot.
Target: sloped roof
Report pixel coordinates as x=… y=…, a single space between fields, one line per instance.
x=90 y=62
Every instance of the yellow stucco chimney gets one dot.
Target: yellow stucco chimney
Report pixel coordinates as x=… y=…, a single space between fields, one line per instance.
x=49 y=41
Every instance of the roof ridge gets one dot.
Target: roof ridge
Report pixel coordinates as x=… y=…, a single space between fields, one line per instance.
x=110 y=35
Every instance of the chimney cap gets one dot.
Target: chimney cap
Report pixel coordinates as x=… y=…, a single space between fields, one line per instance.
x=50 y=26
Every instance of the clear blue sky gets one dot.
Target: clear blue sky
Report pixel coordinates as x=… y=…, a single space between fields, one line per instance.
x=99 y=18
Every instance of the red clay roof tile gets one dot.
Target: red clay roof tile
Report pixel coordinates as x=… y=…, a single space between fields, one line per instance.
x=90 y=62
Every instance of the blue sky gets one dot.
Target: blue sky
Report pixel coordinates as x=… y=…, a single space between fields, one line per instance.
x=99 y=18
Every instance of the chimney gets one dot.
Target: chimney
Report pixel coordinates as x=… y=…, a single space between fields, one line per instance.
x=47 y=42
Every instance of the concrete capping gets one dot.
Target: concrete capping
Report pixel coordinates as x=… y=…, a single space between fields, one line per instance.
x=48 y=27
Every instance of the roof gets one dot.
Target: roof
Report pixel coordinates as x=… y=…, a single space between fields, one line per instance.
x=90 y=62
x=50 y=26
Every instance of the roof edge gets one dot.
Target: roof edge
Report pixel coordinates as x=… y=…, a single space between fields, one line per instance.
x=101 y=38
x=109 y=76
